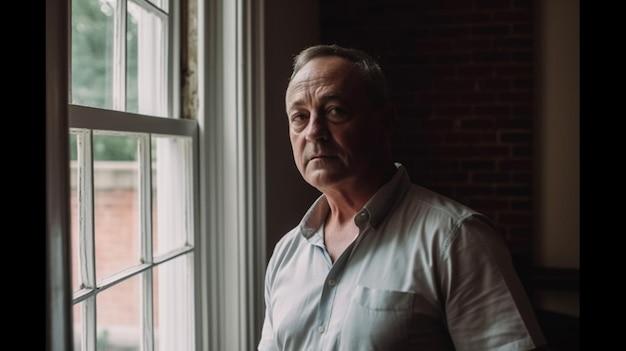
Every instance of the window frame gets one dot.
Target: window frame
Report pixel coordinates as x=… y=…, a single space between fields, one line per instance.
x=232 y=170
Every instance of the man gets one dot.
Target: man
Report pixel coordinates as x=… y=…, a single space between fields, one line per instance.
x=379 y=263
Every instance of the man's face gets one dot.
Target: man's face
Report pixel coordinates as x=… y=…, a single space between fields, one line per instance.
x=336 y=134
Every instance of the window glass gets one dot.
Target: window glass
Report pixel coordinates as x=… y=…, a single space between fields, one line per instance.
x=119 y=316
x=77 y=326
x=116 y=203
x=172 y=193
x=92 y=53
x=174 y=304
x=146 y=44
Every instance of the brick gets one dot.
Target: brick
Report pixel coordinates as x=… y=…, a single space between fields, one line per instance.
x=473 y=190
x=435 y=165
x=523 y=28
x=452 y=5
x=520 y=97
x=491 y=56
x=516 y=191
x=451 y=32
x=522 y=56
x=476 y=70
x=471 y=137
x=433 y=44
x=512 y=70
x=448 y=84
x=516 y=137
x=494 y=84
x=491 y=4
x=515 y=218
x=492 y=30
x=513 y=16
x=480 y=97
x=451 y=110
x=436 y=97
x=518 y=205
x=518 y=164
x=513 y=122
x=490 y=177
x=524 y=178
x=523 y=84
x=472 y=44
x=477 y=123
x=521 y=151
x=488 y=204
x=477 y=165
x=445 y=124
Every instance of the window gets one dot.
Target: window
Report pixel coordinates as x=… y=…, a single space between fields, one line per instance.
x=132 y=181
x=178 y=202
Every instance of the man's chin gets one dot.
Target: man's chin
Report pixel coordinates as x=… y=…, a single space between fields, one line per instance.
x=323 y=177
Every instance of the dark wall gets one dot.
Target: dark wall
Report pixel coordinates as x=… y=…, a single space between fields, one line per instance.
x=290 y=26
x=460 y=73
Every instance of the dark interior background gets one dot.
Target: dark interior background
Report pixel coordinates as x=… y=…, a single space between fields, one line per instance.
x=461 y=74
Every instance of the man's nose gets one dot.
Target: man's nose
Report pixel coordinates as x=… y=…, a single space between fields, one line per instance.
x=317 y=130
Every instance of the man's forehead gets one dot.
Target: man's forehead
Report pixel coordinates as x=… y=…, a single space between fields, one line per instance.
x=326 y=67
x=322 y=74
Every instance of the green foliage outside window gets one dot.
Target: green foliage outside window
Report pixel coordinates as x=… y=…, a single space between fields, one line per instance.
x=92 y=72
x=108 y=148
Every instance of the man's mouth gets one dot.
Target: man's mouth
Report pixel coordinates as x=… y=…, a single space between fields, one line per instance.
x=321 y=157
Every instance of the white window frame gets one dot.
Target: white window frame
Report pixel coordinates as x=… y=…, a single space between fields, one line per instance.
x=231 y=241
x=232 y=166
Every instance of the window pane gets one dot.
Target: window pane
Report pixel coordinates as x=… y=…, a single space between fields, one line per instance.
x=174 y=305
x=146 y=44
x=78 y=326
x=172 y=192
x=92 y=53
x=116 y=201
x=119 y=316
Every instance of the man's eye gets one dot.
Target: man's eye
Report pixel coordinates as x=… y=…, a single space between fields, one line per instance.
x=336 y=113
x=298 y=121
x=298 y=118
x=335 y=110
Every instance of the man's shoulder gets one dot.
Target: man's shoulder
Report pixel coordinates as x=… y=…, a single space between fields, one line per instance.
x=436 y=205
x=288 y=237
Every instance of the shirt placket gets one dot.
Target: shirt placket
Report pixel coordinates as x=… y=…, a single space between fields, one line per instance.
x=331 y=284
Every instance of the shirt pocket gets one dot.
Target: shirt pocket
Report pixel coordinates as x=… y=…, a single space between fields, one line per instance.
x=377 y=319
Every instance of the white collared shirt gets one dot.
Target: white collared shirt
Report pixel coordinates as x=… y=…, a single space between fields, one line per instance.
x=424 y=273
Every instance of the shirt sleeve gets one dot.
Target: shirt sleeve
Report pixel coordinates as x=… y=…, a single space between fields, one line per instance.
x=486 y=305
x=267 y=342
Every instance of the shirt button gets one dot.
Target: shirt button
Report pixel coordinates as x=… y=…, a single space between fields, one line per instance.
x=321 y=329
x=332 y=282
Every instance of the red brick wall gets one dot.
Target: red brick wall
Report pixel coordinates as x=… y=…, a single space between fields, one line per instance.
x=461 y=75
x=117 y=247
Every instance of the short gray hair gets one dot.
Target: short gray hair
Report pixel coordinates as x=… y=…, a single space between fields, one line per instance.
x=364 y=62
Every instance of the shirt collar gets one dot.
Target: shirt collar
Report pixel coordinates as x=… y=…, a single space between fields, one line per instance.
x=374 y=211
